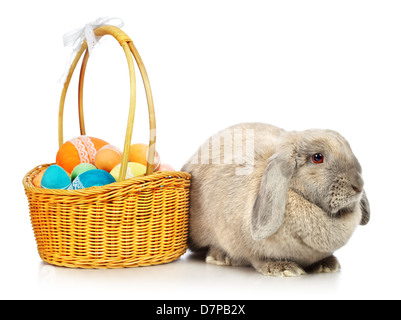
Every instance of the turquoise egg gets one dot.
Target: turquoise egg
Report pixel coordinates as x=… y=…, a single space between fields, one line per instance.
x=92 y=178
x=55 y=177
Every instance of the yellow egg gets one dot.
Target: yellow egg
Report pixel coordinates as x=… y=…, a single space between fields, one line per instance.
x=133 y=170
x=138 y=153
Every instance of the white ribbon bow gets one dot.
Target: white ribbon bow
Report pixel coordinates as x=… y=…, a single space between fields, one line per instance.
x=76 y=37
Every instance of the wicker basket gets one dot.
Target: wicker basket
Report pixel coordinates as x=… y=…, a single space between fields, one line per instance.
x=136 y=222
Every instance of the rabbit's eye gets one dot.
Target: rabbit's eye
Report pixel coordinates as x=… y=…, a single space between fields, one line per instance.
x=317 y=158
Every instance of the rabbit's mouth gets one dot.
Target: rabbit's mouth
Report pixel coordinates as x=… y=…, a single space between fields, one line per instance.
x=347 y=207
x=344 y=211
x=343 y=202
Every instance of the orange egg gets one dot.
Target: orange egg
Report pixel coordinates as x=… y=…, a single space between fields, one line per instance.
x=38 y=178
x=108 y=157
x=138 y=153
x=82 y=149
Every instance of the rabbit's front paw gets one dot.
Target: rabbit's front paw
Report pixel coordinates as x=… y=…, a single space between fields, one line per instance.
x=217 y=257
x=279 y=268
x=328 y=265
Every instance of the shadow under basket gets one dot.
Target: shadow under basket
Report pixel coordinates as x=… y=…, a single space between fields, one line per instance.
x=137 y=222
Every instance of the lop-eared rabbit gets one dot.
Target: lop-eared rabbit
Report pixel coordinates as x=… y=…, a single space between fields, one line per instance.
x=280 y=201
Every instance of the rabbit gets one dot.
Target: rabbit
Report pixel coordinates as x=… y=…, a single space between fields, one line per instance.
x=283 y=208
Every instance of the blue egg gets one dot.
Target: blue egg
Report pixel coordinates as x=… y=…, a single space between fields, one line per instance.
x=92 y=178
x=55 y=177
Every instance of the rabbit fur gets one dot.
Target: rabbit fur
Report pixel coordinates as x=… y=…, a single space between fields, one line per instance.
x=274 y=208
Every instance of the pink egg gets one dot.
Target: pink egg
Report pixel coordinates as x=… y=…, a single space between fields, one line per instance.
x=165 y=167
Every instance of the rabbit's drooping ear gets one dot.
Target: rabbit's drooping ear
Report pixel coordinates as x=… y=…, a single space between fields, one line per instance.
x=269 y=208
x=365 y=207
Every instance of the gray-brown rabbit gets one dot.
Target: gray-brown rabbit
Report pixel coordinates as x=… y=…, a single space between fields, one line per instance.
x=281 y=201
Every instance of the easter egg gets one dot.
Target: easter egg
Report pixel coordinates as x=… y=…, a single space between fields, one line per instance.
x=38 y=179
x=138 y=153
x=165 y=167
x=81 y=168
x=108 y=157
x=82 y=149
x=133 y=170
x=55 y=177
x=92 y=178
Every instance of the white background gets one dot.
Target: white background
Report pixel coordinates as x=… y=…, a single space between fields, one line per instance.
x=295 y=64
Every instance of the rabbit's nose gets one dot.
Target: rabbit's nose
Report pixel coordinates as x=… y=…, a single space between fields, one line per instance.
x=357 y=183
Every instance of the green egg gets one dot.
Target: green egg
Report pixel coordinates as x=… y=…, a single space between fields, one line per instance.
x=81 y=168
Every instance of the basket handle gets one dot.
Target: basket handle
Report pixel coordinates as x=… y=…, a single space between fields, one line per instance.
x=130 y=51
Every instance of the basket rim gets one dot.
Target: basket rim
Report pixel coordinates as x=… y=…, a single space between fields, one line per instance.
x=141 y=180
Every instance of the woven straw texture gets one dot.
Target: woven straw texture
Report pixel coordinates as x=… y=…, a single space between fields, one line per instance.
x=137 y=222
